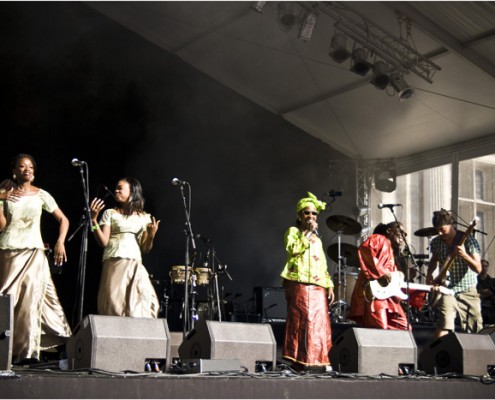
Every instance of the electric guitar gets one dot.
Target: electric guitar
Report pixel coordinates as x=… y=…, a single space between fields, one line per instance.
x=395 y=286
x=447 y=263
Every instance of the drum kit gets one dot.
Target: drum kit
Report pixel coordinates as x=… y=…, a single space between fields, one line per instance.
x=346 y=257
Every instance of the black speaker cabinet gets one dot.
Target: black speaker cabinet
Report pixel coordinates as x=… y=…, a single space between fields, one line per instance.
x=6 y=330
x=270 y=303
x=119 y=343
x=374 y=351
x=175 y=341
x=246 y=342
x=464 y=353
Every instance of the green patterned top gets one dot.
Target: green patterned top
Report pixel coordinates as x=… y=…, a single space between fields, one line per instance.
x=306 y=262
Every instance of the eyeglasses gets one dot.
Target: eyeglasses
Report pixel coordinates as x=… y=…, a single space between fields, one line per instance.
x=310 y=212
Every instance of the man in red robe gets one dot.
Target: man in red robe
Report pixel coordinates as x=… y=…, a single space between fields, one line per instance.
x=376 y=258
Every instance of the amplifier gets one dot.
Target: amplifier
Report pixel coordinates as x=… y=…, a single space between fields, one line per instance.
x=270 y=304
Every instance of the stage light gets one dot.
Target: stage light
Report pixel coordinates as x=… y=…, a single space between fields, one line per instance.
x=359 y=63
x=401 y=87
x=259 y=5
x=338 y=48
x=380 y=75
x=385 y=177
x=308 y=25
x=286 y=15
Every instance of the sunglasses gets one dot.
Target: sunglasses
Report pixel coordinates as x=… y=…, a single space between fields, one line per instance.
x=310 y=212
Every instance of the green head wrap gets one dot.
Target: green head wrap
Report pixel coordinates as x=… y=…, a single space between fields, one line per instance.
x=311 y=199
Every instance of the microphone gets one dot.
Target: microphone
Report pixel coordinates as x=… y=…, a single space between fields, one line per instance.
x=109 y=192
x=381 y=205
x=333 y=193
x=177 y=182
x=76 y=163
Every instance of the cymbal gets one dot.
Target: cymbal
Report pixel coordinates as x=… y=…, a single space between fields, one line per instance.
x=348 y=251
x=426 y=232
x=347 y=225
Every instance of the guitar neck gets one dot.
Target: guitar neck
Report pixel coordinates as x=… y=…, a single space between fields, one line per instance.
x=449 y=261
x=418 y=286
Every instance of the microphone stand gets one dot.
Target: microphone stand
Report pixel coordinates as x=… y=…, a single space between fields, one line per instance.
x=84 y=224
x=409 y=254
x=188 y=319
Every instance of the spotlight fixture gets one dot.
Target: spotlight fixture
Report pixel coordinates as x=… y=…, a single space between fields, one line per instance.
x=308 y=25
x=338 y=48
x=401 y=87
x=359 y=63
x=286 y=16
x=380 y=75
x=385 y=177
x=259 y=5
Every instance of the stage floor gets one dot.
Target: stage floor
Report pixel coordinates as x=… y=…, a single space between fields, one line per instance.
x=56 y=384
x=50 y=382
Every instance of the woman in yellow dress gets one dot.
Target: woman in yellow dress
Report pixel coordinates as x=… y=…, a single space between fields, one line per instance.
x=125 y=232
x=39 y=320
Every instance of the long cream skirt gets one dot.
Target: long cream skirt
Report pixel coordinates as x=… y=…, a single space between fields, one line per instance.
x=39 y=320
x=126 y=290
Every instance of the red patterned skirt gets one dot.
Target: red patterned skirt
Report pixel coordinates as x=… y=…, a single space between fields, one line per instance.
x=308 y=335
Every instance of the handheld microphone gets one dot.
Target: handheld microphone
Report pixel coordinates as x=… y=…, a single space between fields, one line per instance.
x=177 y=182
x=381 y=205
x=333 y=193
x=109 y=192
x=76 y=163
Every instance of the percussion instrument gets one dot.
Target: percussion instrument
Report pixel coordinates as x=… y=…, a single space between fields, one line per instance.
x=348 y=286
x=349 y=251
x=178 y=274
x=426 y=232
x=346 y=225
x=202 y=276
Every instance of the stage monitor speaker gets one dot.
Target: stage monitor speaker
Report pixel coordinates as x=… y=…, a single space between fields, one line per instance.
x=270 y=303
x=464 y=353
x=374 y=351
x=489 y=330
x=119 y=343
x=249 y=343
x=175 y=341
x=6 y=330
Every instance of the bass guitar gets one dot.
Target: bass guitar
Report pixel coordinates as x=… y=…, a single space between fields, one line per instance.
x=441 y=278
x=395 y=286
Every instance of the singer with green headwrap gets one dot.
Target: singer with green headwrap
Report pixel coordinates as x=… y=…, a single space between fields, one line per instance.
x=308 y=290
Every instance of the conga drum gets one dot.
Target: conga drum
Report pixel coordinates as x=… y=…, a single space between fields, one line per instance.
x=178 y=274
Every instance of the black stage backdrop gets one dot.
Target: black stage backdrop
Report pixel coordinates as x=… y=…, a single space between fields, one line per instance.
x=76 y=84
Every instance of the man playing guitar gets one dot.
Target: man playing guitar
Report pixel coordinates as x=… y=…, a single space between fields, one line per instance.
x=459 y=254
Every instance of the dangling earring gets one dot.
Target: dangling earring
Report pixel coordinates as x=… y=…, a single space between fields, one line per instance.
x=32 y=179
x=14 y=177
